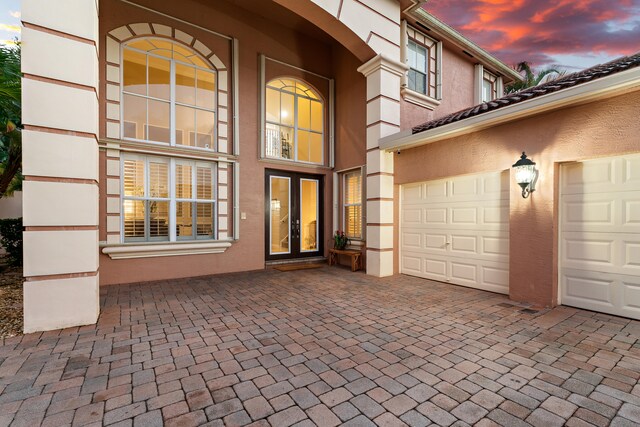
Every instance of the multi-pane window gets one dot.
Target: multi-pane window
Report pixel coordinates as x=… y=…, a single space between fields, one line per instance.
x=352 y=204
x=167 y=199
x=422 y=58
x=418 y=67
x=168 y=94
x=294 y=122
x=489 y=87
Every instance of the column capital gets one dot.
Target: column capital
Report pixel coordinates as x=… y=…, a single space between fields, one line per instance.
x=383 y=62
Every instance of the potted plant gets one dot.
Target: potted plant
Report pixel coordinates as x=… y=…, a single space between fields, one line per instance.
x=340 y=241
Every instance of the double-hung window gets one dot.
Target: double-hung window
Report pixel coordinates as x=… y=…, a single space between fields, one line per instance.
x=422 y=55
x=418 y=64
x=352 y=204
x=489 y=87
x=167 y=199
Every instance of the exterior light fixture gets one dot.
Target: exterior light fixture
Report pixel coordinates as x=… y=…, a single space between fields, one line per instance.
x=526 y=175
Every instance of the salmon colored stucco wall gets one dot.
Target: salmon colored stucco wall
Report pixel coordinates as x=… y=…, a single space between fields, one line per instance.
x=599 y=129
x=457 y=91
x=256 y=35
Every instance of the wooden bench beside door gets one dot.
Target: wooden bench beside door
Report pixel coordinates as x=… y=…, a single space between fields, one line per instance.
x=356 y=257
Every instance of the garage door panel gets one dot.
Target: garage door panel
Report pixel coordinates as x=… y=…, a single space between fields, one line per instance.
x=600 y=235
x=589 y=177
x=411 y=194
x=412 y=216
x=496 y=276
x=631 y=297
x=464 y=230
x=464 y=216
x=588 y=288
x=631 y=213
x=462 y=244
x=412 y=264
x=631 y=171
x=412 y=240
x=436 y=242
x=588 y=248
x=435 y=216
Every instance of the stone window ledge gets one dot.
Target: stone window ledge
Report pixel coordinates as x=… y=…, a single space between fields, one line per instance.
x=149 y=250
x=419 y=98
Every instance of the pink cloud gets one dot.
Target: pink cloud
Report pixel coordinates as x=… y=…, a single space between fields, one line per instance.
x=536 y=30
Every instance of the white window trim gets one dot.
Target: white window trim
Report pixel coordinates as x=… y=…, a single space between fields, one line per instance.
x=329 y=108
x=172 y=100
x=148 y=250
x=412 y=96
x=296 y=128
x=343 y=205
x=479 y=77
x=172 y=238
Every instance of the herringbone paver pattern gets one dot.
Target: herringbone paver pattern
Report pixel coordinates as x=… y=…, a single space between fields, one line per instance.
x=323 y=347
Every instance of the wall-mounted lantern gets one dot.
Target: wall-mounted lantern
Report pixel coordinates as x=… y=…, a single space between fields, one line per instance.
x=526 y=175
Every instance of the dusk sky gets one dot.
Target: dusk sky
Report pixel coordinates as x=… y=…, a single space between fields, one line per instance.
x=573 y=34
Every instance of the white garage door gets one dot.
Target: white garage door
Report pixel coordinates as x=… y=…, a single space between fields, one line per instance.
x=457 y=230
x=600 y=235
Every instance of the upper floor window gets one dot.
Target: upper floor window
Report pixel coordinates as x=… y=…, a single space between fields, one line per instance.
x=489 y=87
x=423 y=60
x=168 y=94
x=294 y=122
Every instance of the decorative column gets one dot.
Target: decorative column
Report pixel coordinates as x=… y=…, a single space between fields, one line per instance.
x=60 y=163
x=383 y=118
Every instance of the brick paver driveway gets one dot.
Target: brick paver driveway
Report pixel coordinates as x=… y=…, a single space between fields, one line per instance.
x=323 y=346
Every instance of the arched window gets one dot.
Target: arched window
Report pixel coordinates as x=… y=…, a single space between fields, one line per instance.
x=168 y=94
x=294 y=127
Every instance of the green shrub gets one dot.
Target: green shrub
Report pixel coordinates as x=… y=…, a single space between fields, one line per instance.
x=11 y=232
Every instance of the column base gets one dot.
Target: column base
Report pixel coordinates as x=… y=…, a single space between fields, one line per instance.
x=380 y=264
x=61 y=303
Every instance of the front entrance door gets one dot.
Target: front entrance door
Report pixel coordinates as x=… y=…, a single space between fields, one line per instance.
x=293 y=208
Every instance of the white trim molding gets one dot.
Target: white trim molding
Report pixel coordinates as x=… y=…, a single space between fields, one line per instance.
x=382 y=61
x=150 y=250
x=418 y=98
x=602 y=88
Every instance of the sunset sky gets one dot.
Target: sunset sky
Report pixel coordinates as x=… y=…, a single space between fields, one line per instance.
x=573 y=34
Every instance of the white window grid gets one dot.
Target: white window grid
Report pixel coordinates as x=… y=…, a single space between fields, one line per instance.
x=345 y=205
x=172 y=199
x=296 y=126
x=172 y=98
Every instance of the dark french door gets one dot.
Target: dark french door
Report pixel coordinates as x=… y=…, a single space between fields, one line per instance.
x=293 y=215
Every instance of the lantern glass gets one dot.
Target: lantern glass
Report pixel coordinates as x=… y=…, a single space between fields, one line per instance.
x=525 y=174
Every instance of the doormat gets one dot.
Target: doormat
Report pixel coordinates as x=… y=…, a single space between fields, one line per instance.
x=294 y=267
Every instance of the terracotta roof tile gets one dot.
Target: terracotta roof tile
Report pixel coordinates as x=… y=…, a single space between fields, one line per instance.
x=590 y=74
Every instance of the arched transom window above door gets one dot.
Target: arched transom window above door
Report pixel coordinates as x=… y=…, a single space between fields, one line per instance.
x=169 y=94
x=294 y=122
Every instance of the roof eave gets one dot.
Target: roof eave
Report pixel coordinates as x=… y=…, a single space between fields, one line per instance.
x=462 y=42
x=601 y=88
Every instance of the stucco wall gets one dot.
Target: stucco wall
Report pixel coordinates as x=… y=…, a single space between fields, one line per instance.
x=457 y=91
x=256 y=35
x=598 y=129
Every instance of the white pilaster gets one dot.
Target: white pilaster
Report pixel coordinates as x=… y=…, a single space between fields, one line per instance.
x=384 y=76
x=60 y=163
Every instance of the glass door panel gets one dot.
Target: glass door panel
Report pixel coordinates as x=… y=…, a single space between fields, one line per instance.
x=308 y=215
x=293 y=215
x=280 y=221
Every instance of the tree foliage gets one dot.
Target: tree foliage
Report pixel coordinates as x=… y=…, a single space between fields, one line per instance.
x=532 y=77
x=10 y=120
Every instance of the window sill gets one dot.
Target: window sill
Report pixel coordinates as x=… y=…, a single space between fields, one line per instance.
x=149 y=250
x=419 y=98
